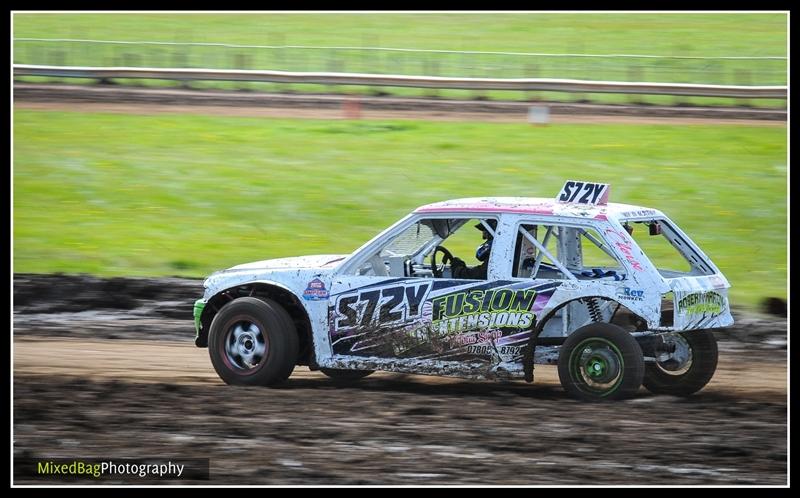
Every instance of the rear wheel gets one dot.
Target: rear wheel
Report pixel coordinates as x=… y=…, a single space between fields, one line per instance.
x=686 y=367
x=600 y=361
x=345 y=375
x=252 y=342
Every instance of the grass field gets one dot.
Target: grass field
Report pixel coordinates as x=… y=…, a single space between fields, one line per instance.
x=651 y=34
x=656 y=34
x=185 y=195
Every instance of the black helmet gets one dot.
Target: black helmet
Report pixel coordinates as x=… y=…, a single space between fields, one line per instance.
x=482 y=253
x=491 y=223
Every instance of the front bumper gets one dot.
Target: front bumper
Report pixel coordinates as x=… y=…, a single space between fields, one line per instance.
x=199 y=305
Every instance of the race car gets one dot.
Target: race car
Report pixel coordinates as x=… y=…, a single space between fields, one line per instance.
x=617 y=296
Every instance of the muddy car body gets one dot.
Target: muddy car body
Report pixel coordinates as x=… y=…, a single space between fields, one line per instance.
x=566 y=283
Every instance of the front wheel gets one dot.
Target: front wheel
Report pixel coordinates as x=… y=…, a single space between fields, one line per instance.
x=599 y=362
x=687 y=367
x=252 y=342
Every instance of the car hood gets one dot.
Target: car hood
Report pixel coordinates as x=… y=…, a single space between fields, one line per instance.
x=321 y=261
x=294 y=274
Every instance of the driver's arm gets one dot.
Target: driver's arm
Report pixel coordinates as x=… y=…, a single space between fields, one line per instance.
x=459 y=269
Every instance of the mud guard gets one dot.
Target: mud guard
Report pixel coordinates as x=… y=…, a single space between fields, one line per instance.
x=527 y=359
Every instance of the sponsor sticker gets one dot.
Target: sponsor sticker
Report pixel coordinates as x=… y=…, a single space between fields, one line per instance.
x=315 y=291
x=716 y=282
x=639 y=213
x=622 y=243
x=701 y=303
x=631 y=294
x=482 y=309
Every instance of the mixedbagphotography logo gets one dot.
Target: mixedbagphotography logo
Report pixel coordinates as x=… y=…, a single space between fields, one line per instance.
x=116 y=469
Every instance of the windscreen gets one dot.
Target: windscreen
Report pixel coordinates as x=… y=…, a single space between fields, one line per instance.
x=410 y=240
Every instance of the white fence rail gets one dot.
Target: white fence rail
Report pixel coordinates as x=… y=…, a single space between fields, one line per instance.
x=333 y=78
x=407 y=50
x=681 y=66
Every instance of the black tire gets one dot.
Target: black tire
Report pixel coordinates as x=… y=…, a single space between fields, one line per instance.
x=294 y=340
x=345 y=375
x=601 y=362
x=251 y=342
x=689 y=377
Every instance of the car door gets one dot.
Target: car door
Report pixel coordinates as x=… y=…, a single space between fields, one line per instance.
x=460 y=326
x=377 y=311
x=377 y=316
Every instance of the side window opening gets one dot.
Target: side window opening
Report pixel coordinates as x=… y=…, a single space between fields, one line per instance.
x=597 y=255
x=563 y=252
x=409 y=253
x=464 y=242
x=667 y=250
x=539 y=259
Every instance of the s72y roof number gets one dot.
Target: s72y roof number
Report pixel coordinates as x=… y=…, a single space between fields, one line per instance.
x=584 y=193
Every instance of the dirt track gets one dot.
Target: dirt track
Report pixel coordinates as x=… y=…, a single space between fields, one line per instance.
x=111 y=382
x=135 y=100
x=276 y=112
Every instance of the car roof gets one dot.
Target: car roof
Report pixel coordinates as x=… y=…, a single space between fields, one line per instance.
x=538 y=206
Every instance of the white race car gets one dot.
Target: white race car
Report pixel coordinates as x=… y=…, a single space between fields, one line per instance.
x=574 y=281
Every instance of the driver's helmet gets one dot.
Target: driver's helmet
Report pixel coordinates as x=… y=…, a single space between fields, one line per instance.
x=482 y=254
x=491 y=223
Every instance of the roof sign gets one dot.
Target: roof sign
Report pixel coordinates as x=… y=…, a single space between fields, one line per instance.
x=584 y=192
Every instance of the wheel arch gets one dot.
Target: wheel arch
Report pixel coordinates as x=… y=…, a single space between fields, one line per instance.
x=627 y=320
x=271 y=290
x=619 y=316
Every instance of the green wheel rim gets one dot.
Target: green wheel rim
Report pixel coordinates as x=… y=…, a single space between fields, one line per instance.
x=596 y=366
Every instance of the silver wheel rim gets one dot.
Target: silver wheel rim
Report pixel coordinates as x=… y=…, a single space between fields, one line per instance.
x=245 y=345
x=680 y=361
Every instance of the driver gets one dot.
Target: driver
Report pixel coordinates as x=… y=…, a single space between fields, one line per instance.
x=460 y=269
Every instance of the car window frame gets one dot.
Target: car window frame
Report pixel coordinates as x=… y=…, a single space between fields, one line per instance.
x=559 y=221
x=360 y=256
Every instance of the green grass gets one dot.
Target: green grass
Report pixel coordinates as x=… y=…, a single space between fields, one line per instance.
x=726 y=34
x=697 y=34
x=185 y=195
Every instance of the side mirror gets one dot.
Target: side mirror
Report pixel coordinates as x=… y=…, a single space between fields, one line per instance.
x=655 y=228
